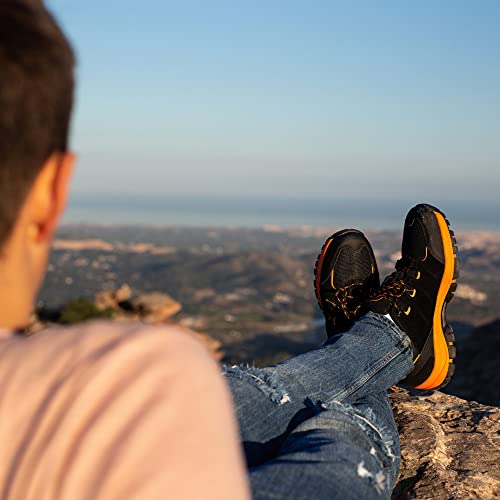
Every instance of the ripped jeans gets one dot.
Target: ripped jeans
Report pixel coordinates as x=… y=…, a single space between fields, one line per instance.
x=320 y=426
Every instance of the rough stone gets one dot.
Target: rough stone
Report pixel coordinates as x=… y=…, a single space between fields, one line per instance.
x=450 y=447
x=155 y=307
x=111 y=299
x=123 y=294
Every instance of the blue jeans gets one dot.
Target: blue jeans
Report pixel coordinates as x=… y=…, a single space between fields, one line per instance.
x=320 y=426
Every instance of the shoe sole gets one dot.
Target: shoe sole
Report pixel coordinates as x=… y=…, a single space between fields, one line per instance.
x=321 y=257
x=443 y=337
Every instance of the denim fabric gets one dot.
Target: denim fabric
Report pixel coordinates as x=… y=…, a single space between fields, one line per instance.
x=320 y=425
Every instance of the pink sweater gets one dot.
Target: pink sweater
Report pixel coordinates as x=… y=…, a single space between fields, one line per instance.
x=116 y=412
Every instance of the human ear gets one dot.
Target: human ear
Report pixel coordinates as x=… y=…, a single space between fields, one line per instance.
x=50 y=195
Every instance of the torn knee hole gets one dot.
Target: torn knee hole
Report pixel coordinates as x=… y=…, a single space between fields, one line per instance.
x=265 y=380
x=367 y=421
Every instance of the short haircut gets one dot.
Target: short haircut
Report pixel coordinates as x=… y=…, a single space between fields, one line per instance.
x=36 y=99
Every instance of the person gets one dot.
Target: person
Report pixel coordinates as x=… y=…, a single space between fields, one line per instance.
x=112 y=411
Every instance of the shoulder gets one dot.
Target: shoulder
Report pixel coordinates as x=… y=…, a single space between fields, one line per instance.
x=101 y=396
x=120 y=346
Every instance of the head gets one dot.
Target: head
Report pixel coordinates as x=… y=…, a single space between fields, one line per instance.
x=36 y=96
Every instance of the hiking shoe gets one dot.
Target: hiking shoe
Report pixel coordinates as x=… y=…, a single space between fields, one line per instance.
x=345 y=273
x=416 y=294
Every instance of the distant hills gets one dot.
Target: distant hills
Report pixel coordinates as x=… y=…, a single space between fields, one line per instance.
x=477 y=375
x=251 y=289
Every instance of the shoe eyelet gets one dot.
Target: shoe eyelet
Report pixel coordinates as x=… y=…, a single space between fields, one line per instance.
x=413 y=293
x=408 y=311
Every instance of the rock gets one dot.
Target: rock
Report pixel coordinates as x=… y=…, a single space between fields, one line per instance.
x=111 y=299
x=35 y=325
x=155 y=307
x=123 y=294
x=450 y=447
x=105 y=299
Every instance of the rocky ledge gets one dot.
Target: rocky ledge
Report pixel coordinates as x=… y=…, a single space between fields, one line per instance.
x=450 y=447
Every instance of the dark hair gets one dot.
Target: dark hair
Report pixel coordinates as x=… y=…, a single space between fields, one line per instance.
x=36 y=98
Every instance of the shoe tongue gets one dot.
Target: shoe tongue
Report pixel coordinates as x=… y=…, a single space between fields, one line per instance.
x=380 y=306
x=414 y=242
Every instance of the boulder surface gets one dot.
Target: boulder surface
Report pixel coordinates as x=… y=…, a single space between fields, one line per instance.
x=450 y=447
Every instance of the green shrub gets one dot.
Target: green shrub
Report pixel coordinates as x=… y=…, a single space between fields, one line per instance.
x=80 y=310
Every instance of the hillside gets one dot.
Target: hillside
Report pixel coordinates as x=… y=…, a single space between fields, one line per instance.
x=477 y=375
x=250 y=289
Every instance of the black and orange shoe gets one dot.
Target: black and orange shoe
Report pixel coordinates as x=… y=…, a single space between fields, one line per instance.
x=416 y=294
x=344 y=275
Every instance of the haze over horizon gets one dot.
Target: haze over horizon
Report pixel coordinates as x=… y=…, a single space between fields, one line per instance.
x=355 y=101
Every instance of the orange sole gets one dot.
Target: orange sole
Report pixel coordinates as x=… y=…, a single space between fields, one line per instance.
x=442 y=356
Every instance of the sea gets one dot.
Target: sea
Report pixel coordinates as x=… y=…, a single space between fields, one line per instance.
x=255 y=212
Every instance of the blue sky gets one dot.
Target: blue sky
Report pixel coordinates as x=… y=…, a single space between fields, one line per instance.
x=355 y=99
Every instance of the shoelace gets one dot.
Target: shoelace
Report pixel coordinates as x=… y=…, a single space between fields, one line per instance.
x=341 y=297
x=398 y=283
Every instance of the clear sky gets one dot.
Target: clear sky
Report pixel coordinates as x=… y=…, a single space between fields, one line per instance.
x=282 y=98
